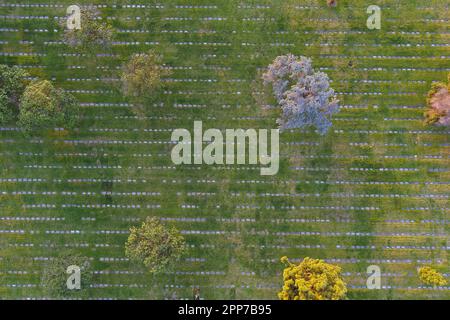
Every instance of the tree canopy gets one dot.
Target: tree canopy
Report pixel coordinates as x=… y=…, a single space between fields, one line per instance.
x=332 y=3
x=304 y=96
x=44 y=107
x=54 y=276
x=141 y=75
x=12 y=84
x=312 y=279
x=430 y=276
x=154 y=245
x=438 y=104
x=93 y=33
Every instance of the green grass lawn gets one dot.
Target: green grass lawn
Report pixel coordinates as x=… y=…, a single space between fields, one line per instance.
x=320 y=181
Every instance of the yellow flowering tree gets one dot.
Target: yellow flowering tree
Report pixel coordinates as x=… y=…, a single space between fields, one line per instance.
x=432 y=277
x=312 y=279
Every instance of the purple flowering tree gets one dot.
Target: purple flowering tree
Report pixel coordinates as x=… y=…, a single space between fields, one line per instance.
x=304 y=96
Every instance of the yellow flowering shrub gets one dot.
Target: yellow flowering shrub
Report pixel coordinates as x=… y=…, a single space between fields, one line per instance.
x=312 y=279
x=432 y=277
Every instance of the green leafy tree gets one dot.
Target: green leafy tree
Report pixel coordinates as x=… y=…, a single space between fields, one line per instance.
x=54 y=276
x=12 y=84
x=155 y=245
x=43 y=107
x=94 y=32
x=141 y=75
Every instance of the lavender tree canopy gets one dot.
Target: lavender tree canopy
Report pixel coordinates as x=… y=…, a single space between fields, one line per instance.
x=304 y=96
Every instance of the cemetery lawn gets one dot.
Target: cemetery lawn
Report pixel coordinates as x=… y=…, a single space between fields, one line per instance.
x=373 y=191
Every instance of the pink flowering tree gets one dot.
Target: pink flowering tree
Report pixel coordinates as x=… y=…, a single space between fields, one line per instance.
x=438 y=103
